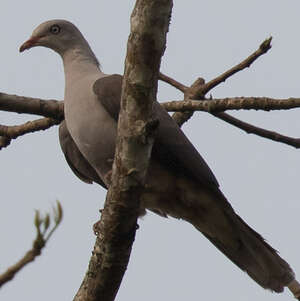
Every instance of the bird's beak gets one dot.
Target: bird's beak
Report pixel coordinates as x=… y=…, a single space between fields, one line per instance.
x=30 y=43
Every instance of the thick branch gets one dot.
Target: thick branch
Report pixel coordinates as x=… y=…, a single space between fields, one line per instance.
x=21 y=104
x=234 y=103
x=116 y=231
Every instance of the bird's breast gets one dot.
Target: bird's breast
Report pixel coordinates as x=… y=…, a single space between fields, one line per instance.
x=91 y=127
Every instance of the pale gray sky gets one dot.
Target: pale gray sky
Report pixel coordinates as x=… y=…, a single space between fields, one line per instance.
x=170 y=260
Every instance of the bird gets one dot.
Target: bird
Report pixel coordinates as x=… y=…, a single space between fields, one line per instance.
x=179 y=182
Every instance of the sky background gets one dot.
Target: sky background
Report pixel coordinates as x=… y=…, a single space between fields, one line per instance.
x=170 y=260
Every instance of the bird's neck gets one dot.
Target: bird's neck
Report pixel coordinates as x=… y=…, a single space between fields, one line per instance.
x=79 y=63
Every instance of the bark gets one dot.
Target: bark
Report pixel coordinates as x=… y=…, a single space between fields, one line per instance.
x=13 y=270
x=116 y=229
x=20 y=104
x=233 y=103
x=12 y=132
x=251 y=129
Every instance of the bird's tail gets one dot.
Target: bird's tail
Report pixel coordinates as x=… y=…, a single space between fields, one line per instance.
x=249 y=251
x=254 y=256
x=207 y=209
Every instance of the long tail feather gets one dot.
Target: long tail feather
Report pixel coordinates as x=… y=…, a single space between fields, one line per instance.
x=256 y=257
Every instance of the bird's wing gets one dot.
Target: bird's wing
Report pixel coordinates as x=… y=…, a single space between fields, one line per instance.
x=171 y=147
x=79 y=165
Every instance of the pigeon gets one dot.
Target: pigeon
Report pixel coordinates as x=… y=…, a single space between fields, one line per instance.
x=179 y=183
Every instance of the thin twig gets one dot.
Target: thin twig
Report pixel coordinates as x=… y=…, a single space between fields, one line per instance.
x=172 y=82
x=263 y=48
x=42 y=225
x=191 y=92
x=199 y=89
x=12 y=271
x=251 y=129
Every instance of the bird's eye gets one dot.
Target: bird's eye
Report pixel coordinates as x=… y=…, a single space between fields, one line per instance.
x=55 y=29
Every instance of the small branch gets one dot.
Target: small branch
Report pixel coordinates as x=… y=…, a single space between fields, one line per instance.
x=172 y=82
x=265 y=103
x=13 y=132
x=263 y=48
x=199 y=89
x=54 y=108
x=182 y=116
x=28 y=127
x=20 y=104
x=42 y=226
x=13 y=270
x=191 y=92
x=235 y=103
x=23 y=104
x=251 y=129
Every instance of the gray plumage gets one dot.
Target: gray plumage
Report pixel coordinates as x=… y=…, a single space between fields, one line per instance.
x=179 y=182
x=78 y=164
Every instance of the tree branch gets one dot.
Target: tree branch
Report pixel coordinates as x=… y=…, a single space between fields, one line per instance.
x=264 y=47
x=257 y=103
x=251 y=129
x=189 y=93
x=27 y=105
x=38 y=106
x=13 y=132
x=199 y=89
x=234 y=103
x=20 y=104
x=43 y=234
x=54 y=108
x=14 y=269
x=172 y=82
x=116 y=229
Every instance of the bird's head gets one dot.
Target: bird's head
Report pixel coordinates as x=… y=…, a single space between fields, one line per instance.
x=58 y=35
